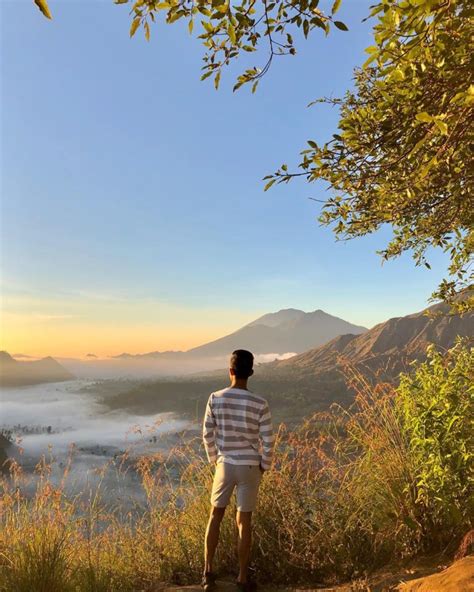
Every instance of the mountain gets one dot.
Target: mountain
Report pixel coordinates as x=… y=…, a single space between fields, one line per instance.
x=311 y=381
x=288 y=330
x=19 y=373
x=164 y=355
x=273 y=319
x=385 y=350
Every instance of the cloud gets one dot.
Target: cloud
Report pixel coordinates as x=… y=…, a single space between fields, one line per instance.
x=264 y=358
x=74 y=418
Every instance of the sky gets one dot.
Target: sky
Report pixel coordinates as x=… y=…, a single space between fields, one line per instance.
x=133 y=216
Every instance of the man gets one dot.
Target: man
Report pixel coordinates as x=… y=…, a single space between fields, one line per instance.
x=238 y=437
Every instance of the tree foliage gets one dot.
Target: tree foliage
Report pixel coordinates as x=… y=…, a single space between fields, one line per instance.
x=229 y=29
x=403 y=151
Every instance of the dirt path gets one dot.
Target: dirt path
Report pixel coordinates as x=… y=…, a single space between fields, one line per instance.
x=458 y=577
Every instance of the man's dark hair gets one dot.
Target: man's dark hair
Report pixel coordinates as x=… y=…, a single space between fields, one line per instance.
x=241 y=362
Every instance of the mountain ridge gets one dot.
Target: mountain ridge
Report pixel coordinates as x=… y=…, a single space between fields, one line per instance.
x=21 y=373
x=284 y=331
x=386 y=349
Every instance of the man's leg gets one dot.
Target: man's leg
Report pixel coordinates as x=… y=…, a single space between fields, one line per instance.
x=212 y=536
x=244 y=526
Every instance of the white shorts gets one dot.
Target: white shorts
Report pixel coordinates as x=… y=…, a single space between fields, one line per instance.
x=244 y=478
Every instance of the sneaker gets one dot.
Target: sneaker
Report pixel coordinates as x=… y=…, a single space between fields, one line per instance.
x=208 y=581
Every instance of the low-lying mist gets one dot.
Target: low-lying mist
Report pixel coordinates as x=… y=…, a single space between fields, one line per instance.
x=64 y=421
x=168 y=364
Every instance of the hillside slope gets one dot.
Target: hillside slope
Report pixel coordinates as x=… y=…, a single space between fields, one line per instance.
x=386 y=349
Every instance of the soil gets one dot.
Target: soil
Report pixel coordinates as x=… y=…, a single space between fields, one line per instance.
x=424 y=576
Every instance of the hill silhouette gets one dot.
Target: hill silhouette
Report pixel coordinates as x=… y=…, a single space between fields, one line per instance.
x=20 y=373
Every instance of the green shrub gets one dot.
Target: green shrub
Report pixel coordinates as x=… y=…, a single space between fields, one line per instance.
x=435 y=405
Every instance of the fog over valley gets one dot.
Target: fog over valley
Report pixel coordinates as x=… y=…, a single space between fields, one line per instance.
x=145 y=404
x=60 y=419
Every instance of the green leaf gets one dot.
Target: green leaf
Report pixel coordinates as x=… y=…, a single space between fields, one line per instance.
x=441 y=125
x=222 y=8
x=335 y=6
x=340 y=25
x=269 y=184
x=424 y=116
x=231 y=33
x=397 y=75
x=305 y=28
x=134 y=26
x=217 y=79
x=369 y=60
x=190 y=26
x=43 y=6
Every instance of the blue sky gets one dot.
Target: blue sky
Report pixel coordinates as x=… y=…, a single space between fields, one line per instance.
x=132 y=198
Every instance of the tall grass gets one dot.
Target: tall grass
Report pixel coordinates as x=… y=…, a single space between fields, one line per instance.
x=350 y=490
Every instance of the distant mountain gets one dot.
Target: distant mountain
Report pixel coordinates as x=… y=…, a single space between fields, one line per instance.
x=288 y=330
x=274 y=319
x=18 y=373
x=313 y=380
x=163 y=355
x=24 y=357
x=385 y=350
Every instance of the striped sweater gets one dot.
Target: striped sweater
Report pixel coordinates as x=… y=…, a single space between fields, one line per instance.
x=238 y=428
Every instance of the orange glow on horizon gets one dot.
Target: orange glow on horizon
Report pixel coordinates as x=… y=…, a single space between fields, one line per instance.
x=77 y=327
x=104 y=343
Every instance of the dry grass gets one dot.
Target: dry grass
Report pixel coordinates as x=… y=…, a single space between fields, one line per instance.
x=341 y=500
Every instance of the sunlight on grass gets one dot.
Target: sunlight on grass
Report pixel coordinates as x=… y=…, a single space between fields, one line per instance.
x=350 y=490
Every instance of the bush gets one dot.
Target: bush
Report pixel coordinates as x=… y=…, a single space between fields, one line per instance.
x=435 y=408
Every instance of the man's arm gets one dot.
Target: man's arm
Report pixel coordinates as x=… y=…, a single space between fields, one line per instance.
x=208 y=433
x=266 y=436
